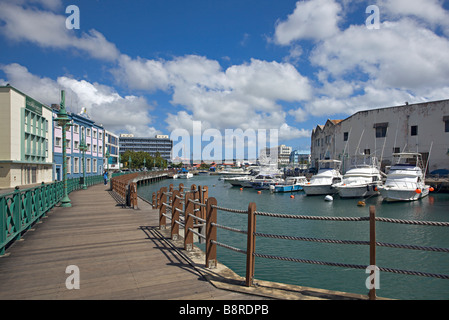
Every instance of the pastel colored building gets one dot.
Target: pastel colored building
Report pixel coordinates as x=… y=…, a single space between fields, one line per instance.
x=93 y=134
x=26 y=139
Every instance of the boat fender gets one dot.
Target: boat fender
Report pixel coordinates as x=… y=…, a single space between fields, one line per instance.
x=328 y=198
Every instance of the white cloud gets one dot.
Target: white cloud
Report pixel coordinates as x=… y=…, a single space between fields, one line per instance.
x=312 y=19
x=48 y=30
x=103 y=103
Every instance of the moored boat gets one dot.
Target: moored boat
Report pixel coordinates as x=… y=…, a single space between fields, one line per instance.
x=405 y=179
x=363 y=179
x=291 y=184
x=328 y=175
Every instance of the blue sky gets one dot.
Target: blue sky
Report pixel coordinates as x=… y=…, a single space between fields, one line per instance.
x=148 y=67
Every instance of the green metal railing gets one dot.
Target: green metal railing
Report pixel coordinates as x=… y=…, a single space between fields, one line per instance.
x=21 y=209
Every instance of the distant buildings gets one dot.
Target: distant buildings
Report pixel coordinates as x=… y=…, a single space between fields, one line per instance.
x=422 y=127
x=160 y=143
x=26 y=139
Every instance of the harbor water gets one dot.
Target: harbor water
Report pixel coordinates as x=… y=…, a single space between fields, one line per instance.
x=432 y=208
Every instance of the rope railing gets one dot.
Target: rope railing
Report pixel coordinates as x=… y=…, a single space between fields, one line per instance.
x=197 y=206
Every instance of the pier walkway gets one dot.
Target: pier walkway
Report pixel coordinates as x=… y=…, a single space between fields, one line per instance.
x=121 y=254
x=117 y=250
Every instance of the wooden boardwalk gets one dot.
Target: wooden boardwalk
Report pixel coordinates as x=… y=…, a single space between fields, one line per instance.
x=118 y=251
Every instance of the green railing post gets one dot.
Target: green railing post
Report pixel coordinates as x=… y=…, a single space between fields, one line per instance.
x=3 y=228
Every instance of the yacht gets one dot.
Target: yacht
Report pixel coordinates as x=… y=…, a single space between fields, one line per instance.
x=291 y=184
x=242 y=181
x=405 y=179
x=363 y=179
x=184 y=174
x=328 y=175
x=265 y=180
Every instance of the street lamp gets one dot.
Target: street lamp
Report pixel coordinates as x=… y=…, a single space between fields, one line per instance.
x=129 y=162
x=83 y=148
x=144 y=162
x=63 y=120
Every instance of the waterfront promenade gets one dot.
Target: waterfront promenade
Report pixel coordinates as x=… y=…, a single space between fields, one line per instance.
x=121 y=254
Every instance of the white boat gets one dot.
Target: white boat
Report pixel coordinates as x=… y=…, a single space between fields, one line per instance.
x=265 y=180
x=328 y=175
x=291 y=184
x=405 y=179
x=363 y=179
x=241 y=181
x=185 y=175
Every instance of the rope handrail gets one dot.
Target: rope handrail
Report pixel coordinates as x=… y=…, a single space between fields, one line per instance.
x=414 y=222
x=302 y=217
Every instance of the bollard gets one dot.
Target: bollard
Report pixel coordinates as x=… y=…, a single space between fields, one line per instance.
x=372 y=248
x=188 y=235
x=251 y=245
x=211 y=233
x=162 y=209
x=176 y=204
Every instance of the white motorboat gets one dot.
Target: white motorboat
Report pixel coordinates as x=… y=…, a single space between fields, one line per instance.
x=265 y=180
x=363 y=179
x=291 y=184
x=328 y=175
x=405 y=179
x=184 y=174
x=241 y=181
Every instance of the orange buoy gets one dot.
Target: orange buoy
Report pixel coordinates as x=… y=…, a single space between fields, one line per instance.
x=431 y=189
x=418 y=191
x=241 y=189
x=259 y=192
x=292 y=196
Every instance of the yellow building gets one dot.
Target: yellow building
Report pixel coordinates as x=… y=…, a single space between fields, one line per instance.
x=26 y=139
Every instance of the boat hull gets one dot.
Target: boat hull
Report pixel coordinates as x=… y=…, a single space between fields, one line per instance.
x=358 y=191
x=283 y=189
x=395 y=195
x=317 y=190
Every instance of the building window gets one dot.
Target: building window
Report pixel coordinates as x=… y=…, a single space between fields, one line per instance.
x=345 y=136
x=95 y=165
x=76 y=165
x=446 y=123
x=381 y=129
x=88 y=165
x=100 y=135
x=414 y=131
x=58 y=142
x=396 y=150
x=76 y=128
x=88 y=132
x=76 y=144
x=367 y=152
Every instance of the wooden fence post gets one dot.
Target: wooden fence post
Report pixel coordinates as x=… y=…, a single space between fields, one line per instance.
x=175 y=215
x=188 y=235
x=211 y=233
x=153 y=200
x=251 y=245
x=162 y=209
x=372 y=251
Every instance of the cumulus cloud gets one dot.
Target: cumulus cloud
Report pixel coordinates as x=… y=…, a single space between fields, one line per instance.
x=103 y=103
x=47 y=29
x=311 y=19
x=242 y=96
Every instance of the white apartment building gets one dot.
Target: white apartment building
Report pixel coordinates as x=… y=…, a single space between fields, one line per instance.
x=422 y=127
